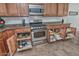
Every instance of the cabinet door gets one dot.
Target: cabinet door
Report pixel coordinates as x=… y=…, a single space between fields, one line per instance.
x=12 y=9
x=11 y=42
x=46 y=10
x=60 y=9
x=50 y=9
x=1 y=35
x=66 y=9
x=73 y=30
x=10 y=33
x=22 y=9
x=63 y=33
x=3 y=10
x=2 y=47
x=5 y=37
x=53 y=9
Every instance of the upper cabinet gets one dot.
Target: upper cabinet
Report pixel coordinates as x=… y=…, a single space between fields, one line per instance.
x=14 y=9
x=66 y=8
x=17 y=9
x=22 y=9
x=50 y=9
x=62 y=9
x=55 y=9
x=3 y=10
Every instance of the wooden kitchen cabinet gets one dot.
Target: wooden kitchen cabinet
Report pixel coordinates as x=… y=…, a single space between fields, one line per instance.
x=3 y=10
x=22 y=30
x=0 y=35
x=4 y=36
x=74 y=30
x=50 y=9
x=10 y=32
x=53 y=30
x=7 y=34
x=8 y=40
x=12 y=45
x=23 y=9
x=66 y=9
x=55 y=9
x=17 y=9
x=12 y=9
x=62 y=9
x=2 y=48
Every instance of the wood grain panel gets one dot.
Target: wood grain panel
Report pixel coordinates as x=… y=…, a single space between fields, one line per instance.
x=2 y=47
x=12 y=45
x=50 y=9
x=22 y=30
x=22 y=9
x=60 y=9
x=66 y=7
x=3 y=10
x=12 y=9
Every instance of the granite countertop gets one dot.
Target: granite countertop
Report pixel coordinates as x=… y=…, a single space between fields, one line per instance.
x=54 y=23
x=13 y=26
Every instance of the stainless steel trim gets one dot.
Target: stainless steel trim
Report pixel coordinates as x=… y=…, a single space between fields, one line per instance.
x=34 y=6
x=35 y=14
x=41 y=38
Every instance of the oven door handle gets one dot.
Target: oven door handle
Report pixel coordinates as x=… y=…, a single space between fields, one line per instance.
x=36 y=30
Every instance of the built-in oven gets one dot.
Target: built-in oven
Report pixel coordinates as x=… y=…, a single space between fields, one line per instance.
x=35 y=9
x=39 y=36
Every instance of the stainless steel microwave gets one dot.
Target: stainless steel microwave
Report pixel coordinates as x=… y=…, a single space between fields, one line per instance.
x=35 y=10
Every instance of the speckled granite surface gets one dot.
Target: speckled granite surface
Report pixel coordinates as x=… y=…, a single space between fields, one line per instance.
x=13 y=26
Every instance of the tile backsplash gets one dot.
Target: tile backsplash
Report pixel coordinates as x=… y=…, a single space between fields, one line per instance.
x=15 y=20
x=18 y=20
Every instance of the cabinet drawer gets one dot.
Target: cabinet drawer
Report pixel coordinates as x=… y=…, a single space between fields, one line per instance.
x=23 y=30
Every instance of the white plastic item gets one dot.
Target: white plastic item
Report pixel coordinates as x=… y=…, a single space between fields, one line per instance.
x=52 y=39
x=58 y=37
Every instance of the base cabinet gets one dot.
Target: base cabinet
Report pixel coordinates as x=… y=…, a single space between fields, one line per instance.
x=71 y=33
x=11 y=42
x=2 y=48
x=59 y=32
x=20 y=41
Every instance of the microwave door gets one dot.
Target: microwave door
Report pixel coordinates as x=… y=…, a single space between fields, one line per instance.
x=35 y=11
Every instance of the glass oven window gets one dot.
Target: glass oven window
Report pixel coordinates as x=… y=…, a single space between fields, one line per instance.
x=39 y=34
